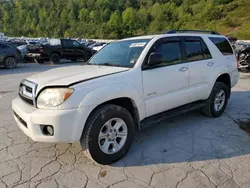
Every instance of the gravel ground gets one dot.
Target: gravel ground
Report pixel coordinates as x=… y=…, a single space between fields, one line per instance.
x=187 y=152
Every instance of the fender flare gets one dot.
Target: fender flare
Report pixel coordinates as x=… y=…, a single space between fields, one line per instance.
x=93 y=100
x=114 y=92
x=218 y=71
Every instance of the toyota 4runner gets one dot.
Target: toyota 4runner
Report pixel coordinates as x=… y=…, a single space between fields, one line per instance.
x=128 y=85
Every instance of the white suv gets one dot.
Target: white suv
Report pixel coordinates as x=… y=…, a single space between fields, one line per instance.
x=126 y=86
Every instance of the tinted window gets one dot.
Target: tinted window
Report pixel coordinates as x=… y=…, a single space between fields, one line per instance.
x=69 y=43
x=223 y=45
x=206 y=52
x=76 y=44
x=171 y=52
x=193 y=50
x=2 y=46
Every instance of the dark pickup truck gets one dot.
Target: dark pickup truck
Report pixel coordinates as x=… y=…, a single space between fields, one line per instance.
x=58 y=49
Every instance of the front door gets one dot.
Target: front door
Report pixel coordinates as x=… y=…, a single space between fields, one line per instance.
x=70 y=50
x=166 y=85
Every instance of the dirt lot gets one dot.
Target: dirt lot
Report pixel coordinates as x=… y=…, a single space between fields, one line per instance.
x=189 y=151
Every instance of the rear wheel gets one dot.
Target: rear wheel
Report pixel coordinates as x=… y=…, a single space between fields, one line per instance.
x=217 y=102
x=55 y=58
x=108 y=134
x=10 y=63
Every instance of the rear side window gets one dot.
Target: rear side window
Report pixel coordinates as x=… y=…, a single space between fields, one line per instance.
x=196 y=49
x=193 y=50
x=223 y=45
x=206 y=52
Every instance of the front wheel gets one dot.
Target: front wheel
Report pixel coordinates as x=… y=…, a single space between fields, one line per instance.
x=108 y=134
x=217 y=102
x=10 y=63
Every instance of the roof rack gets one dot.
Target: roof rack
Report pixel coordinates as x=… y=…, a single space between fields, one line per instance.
x=193 y=31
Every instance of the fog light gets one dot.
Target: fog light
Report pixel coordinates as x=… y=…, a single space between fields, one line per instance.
x=50 y=130
x=47 y=130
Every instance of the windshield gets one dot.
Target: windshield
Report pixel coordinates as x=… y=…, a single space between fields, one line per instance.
x=122 y=53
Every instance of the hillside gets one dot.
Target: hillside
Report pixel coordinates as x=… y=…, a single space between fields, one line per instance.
x=121 y=18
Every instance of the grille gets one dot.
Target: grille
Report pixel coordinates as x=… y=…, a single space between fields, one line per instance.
x=27 y=92
x=29 y=89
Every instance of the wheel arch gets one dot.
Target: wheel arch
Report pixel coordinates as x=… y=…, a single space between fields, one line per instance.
x=55 y=52
x=125 y=102
x=225 y=78
x=8 y=57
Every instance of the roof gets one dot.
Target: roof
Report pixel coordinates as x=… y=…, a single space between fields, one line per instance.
x=173 y=35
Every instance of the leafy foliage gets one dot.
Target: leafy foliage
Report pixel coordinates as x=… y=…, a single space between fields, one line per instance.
x=121 y=18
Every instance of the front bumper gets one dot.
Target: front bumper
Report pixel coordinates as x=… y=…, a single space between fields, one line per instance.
x=30 y=119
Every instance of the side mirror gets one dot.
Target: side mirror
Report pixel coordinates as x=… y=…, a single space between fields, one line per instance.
x=155 y=59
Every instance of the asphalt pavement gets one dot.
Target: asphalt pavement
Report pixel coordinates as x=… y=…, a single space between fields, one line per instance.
x=188 y=151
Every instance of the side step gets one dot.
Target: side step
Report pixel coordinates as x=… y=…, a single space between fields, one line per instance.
x=170 y=113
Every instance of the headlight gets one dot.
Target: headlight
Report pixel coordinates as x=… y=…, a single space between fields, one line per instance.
x=53 y=97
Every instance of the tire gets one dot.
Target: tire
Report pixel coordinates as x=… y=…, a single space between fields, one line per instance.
x=73 y=59
x=209 y=109
x=97 y=124
x=54 y=58
x=10 y=63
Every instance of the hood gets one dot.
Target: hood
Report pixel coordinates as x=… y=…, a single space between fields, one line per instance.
x=74 y=74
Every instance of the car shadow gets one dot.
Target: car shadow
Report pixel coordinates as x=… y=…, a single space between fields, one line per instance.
x=193 y=137
x=34 y=67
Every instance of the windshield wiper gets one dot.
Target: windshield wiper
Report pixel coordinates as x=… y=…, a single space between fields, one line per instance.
x=112 y=65
x=108 y=64
x=86 y=63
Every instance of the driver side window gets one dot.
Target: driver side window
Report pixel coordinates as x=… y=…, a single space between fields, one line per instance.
x=171 y=52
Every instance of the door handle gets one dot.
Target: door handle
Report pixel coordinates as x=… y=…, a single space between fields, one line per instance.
x=210 y=64
x=183 y=69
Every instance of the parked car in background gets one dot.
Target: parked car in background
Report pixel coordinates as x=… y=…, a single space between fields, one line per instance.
x=88 y=43
x=58 y=49
x=24 y=50
x=98 y=46
x=244 y=59
x=9 y=55
x=33 y=46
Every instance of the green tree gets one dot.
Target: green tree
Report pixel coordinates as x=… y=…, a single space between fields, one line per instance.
x=121 y=18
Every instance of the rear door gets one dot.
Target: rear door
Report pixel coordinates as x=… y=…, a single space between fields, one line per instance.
x=226 y=50
x=226 y=57
x=201 y=65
